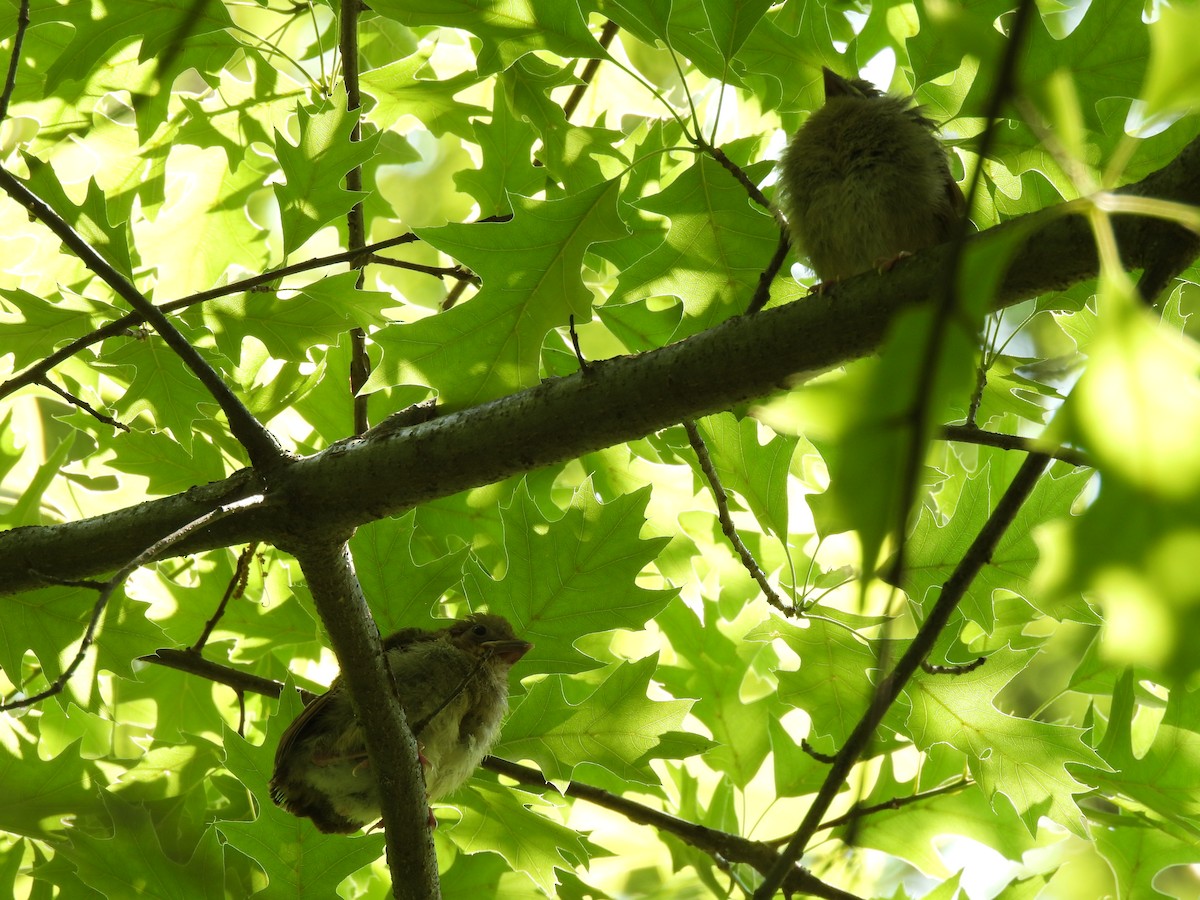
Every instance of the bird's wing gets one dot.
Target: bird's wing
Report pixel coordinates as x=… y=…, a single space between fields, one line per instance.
x=313 y=712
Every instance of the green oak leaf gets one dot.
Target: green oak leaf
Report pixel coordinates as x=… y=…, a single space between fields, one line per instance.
x=615 y=727
x=508 y=30
x=315 y=168
x=400 y=90
x=531 y=270
x=41 y=793
x=714 y=251
x=1023 y=759
x=103 y=866
x=570 y=577
x=299 y=860
x=710 y=668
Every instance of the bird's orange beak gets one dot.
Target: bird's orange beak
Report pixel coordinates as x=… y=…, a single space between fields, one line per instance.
x=509 y=651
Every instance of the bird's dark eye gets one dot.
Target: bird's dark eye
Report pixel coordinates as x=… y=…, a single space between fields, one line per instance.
x=479 y=630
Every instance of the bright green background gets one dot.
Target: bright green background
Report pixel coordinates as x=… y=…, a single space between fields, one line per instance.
x=660 y=672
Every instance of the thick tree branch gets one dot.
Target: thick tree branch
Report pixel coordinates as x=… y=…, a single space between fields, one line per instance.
x=108 y=588
x=383 y=474
x=391 y=747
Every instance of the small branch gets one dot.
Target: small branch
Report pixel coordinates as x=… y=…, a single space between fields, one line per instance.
x=14 y=61
x=236 y=587
x=82 y=404
x=816 y=754
x=966 y=434
x=583 y=363
x=131 y=320
x=762 y=293
x=895 y=803
x=462 y=273
x=261 y=446
x=932 y=669
x=977 y=394
x=727 y=527
x=109 y=587
x=889 y=689
x=453 y=295
x=722 y=845
x=589 y=70
x=193 y=663
x=736 y=171
x=356 y=232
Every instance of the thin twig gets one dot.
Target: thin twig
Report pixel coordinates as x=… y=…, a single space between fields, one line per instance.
x=194 y=664
x=947 y=298
x=110 y=586
x=826 y=758
x=14 y=61
x=933 y=669
x=583 y=363
x=128 y=321
x=235 y=588
x=859 y=812
x=736 y=171
x=895 y=803
x=82 y=404
x=762 y=292
x=966 y=434
x=607 y=33
x=462 y=273
x=356 y=232
x=889 y=689
x=727 y=527
x=453 y=295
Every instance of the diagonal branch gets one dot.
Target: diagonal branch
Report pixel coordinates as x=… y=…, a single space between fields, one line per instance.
x=726 y=519
x=889 y=689
x=261 y=446
x=14 y=61
x=108 y=588
x=391 y=747
x=392 y=470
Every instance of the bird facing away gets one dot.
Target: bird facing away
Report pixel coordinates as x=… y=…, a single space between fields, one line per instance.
x=865 y=181
x=453 y=685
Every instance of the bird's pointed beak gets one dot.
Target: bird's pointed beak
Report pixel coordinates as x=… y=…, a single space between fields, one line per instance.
x=836 y=85
x=509 y=651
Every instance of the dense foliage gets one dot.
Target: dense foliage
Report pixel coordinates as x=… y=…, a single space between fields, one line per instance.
x=515 y=192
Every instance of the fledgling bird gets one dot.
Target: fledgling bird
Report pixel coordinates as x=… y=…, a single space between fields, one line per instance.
x=453 y=685
x=865 y=181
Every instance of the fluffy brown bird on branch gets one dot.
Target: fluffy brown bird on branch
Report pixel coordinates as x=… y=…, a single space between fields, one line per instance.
x=865 y=181
x=453 y=685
